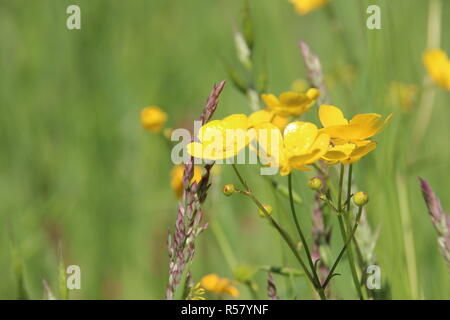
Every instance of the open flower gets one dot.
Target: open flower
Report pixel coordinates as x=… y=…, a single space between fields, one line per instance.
x=153 y=119
x=214 y=283
x=261 y=116
x=291 y=103
x=438 y=66
x=177 y=178
x=300 y=144
x=360 y=127
x=221 y=139
x=348 y=152
x=306 y=6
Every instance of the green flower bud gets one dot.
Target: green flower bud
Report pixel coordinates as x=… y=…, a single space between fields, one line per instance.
x=360 y=198
x=228 y=189
x=315 y=183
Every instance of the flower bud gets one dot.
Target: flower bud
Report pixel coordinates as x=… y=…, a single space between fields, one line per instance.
x=360 y=198
x=268 y=209
x=228 y=189
x=315 y=183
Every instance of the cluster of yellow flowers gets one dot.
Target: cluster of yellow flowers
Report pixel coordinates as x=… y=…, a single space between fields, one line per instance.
x=220 y=286
x=294 y=145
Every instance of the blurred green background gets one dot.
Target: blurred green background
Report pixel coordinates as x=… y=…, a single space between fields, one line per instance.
x=78 y=171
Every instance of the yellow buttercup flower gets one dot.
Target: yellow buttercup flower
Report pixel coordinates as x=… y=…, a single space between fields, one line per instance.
x=177 y=178
x=291 y=103
x=438 y=66
x=153 y=119
x=360 y=127
x=221 y=139
x=300 y=144
x=348 y=152
x=262 y=116
x=214 y=283
x=306 y=6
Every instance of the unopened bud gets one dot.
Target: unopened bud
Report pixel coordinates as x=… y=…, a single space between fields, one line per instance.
x=228 y=189
x=360 y=198
x=315 y=183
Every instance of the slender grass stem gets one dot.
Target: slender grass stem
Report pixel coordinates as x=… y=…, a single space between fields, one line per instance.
x=343 y=250
x=342 y=223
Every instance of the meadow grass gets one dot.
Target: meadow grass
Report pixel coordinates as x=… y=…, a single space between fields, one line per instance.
x=78 y=171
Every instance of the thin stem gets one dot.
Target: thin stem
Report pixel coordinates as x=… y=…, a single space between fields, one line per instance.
x=349 y=186
x=286 y=237
x=351 y=260
x=302 y=237
x=346 y=245
x=341 y=181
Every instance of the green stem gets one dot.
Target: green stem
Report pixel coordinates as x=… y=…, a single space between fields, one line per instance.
x=351 y=260
x=346 y=245
x=286 y=237
x=302 y=237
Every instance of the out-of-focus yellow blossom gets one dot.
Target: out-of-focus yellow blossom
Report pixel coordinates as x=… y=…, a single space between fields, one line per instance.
x=262 y=116
x=304 y=7
x=197 y=293
x=291 y=103
x=300 y=144
x=403 y=95
x=177 y=178
x=348 y=152
x=299 y=85
x=153 y=118
x=214 y=283
x=221 y=139
x=438 y=66
x=360 y=127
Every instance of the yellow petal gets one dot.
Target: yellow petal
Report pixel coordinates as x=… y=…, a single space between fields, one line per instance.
x=236 y=121
x=270 y=100
x=369 y=125
x=209 y=132
x=362 y=151
x=294 y=99
x=260 y=116
x=331 y=116
x=299 y=136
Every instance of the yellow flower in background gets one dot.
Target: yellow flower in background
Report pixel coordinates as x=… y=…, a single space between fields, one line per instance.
x=304 y=7
x=214 y=283
x=291 y=103
x=438 y=66
x=300 y=144
x=262 y=116
x=402 y=94
x=197 y=293
x=360 y=127
x=177 y=178
x=221 y=139
x=348 y=152
x=153 y=118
